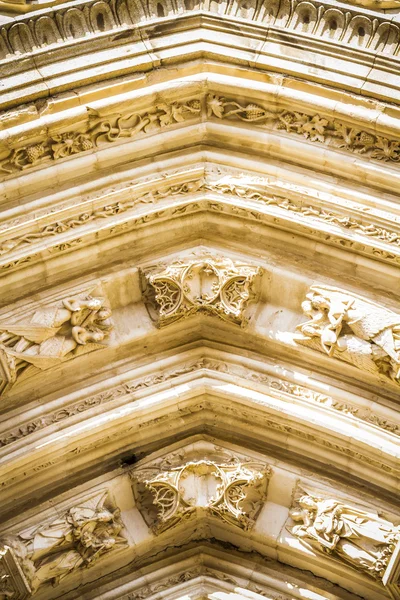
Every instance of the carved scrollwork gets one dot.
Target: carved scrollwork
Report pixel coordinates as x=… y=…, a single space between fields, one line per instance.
x=361 y=539
x=212 y=285
x=85 y=532
x=313 y=127
x=233 y=493
x=51 y=334
x=353 y=329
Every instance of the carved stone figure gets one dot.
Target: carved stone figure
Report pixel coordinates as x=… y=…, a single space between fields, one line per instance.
x=212 y=285
x=51 y=334
x=353 y=329
x=231 y=492
x=361 y=539
x=77 y=538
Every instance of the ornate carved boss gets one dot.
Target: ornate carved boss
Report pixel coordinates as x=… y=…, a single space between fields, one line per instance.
x=353 y=329
x=232 y=492
x=361 y=539
x=51 y=334
x=215 y=286
x=50 y=552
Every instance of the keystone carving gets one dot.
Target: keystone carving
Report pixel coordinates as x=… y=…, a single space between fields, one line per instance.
x=50 y=552
x=361 y=539
x=353 y=329
x=215 y=286
x=51 y=334
x=233 y=493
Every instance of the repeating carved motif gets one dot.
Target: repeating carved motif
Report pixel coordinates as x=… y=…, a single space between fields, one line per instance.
x=85 y=532
x=233 y=491
x=306 y=213
x=350 y=27
x=353 y=329
x=313 y=127
x=273 y=383
x=99 y=214
x=99 y=130
x=212 y=285
x=51 y=334
x=361 y=539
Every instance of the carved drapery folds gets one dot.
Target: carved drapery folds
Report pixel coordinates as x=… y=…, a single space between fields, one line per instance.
x=50 y=334
x=50 y=552
x=353 y=329
x=211 y=285
x=233 y=492
x=361 y=539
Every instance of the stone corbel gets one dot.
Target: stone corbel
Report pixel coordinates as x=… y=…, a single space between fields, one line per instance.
x=211 y=285
x=233 y=493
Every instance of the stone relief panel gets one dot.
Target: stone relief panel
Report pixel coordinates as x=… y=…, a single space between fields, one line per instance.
x=52 y=551
x=359 y=538
x=212 y=285
x=353 y=329
x=218 y=485
x=52 y=333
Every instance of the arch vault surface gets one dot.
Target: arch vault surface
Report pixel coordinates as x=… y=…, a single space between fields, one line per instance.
x=199 y=306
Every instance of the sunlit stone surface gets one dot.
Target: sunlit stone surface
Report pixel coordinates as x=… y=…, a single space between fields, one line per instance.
x=199 y=306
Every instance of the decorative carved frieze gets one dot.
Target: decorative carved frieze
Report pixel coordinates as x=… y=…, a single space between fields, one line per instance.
x=85 y=532
x=309 y=217
x=51 y=334
x=313 y=127
x=211 y=285
x=351 y=328
x=97 y=131
x=361 y=539
x=233 y=492
x=273 y=384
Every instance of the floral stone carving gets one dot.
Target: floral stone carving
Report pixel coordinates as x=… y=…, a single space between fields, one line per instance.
x=232 y=492
x=85 y=532
x=353 y=329
x=51 y=334
x=361 y=539
x=215 y=286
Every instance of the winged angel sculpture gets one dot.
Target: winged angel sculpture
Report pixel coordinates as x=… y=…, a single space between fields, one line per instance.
x=77 y=538
x=353 y=329
x=51 y=334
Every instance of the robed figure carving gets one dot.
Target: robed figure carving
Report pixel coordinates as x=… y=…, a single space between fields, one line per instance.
x=79 y=537
x=361 y=539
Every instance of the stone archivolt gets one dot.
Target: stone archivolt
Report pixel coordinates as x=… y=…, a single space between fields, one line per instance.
x=210 y=285
x=233 y=492
x=361 y=539
x=52 y=333
x=354 y=329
